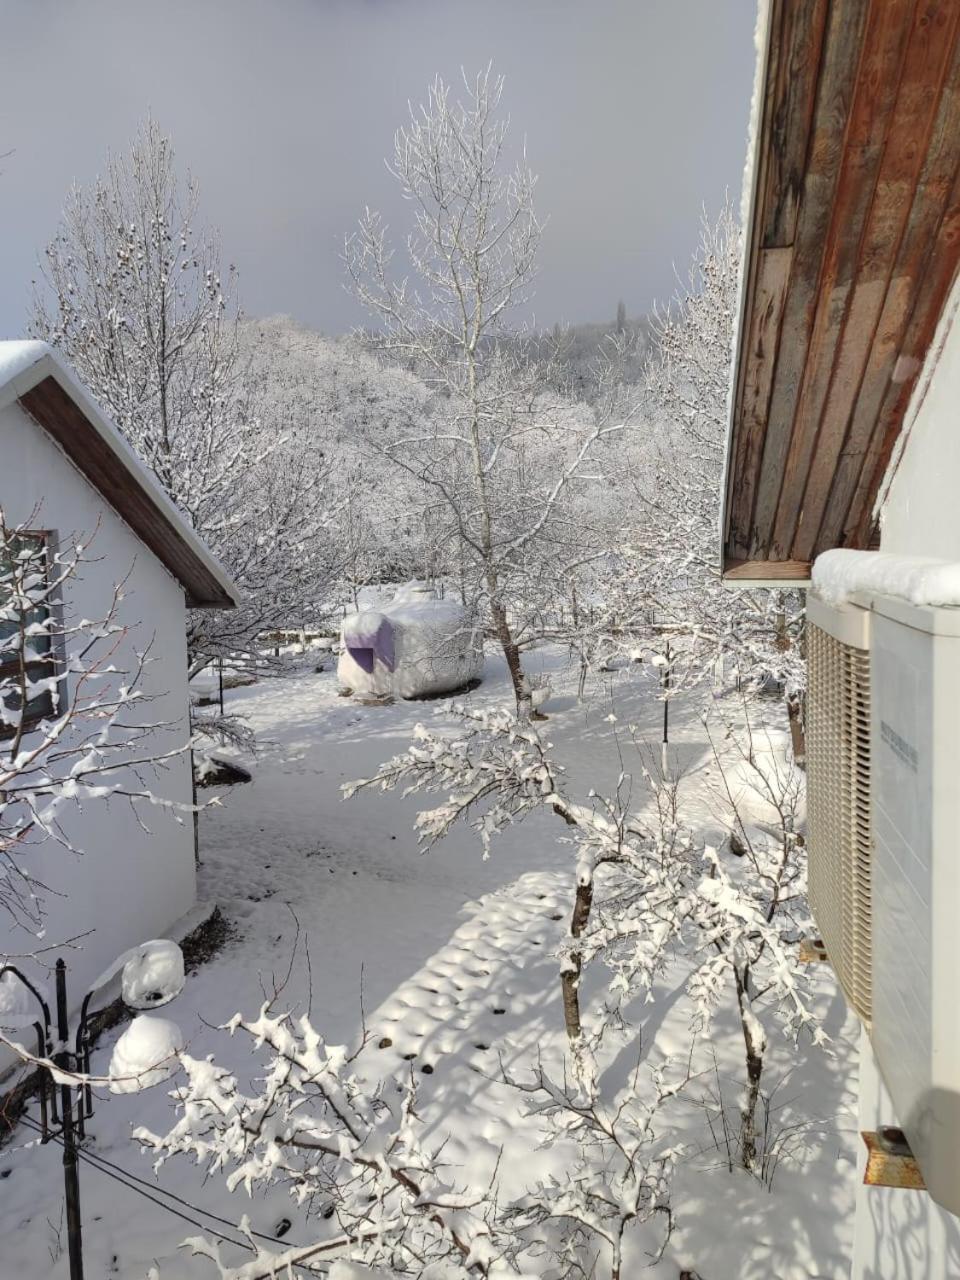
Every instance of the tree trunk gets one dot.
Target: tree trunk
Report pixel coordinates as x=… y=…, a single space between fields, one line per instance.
x=463 y=573
x=781 y=641
x=748 y=1117
x=511 y=652
x=570 y=976
x=754 y=1060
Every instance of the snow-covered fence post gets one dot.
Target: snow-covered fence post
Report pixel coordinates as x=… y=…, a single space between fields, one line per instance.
x=666 y=709
x=68 y=1130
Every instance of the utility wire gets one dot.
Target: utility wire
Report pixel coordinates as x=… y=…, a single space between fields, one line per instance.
x=153 y=1187
x=83 y=1155
x=128 y=1179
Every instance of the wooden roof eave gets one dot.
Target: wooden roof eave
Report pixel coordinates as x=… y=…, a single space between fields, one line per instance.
x=852 y=246
x=780 y=575
x=60 y=406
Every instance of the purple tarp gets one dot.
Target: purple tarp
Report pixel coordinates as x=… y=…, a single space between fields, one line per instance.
x=371 y=636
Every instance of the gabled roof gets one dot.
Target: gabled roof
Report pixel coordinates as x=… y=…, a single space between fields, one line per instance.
x=32 y=374
x=852 y=243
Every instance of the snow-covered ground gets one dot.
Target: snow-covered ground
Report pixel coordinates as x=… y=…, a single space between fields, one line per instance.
x=450 y=963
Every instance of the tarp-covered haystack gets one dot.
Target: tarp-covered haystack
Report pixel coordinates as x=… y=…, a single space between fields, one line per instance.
x=411 y=648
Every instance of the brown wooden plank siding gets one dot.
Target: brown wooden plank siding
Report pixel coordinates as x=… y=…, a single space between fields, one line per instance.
x=917 y=255
x=838 y=65
x=53 y=410
x=855 y=243
x=787 y=117
x=842 y=273
x=793 y=72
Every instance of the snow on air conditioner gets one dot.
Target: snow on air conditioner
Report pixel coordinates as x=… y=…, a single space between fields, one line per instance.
x=883 y=750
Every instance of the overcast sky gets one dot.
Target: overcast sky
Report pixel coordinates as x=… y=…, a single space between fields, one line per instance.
x=634 y=114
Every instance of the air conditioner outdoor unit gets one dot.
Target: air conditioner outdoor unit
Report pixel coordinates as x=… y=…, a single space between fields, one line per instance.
x=838 y=793
x=883 y=761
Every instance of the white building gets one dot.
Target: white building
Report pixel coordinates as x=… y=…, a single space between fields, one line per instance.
x=845 y=433
x=66 y=469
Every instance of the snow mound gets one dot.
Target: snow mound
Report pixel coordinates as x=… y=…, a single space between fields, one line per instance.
x=153 y=975
x=411 y=648
x=839 y=574
x=145 y=1055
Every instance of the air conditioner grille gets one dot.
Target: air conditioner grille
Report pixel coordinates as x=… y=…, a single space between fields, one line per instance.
x=839 y=833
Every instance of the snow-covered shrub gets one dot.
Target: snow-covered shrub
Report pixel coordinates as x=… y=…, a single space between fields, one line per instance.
x=378 y=1191
x=153 y=975
x=618 y=1176
x=355 y=1155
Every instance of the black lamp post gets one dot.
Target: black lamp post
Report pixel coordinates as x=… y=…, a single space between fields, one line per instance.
x=67 y=1121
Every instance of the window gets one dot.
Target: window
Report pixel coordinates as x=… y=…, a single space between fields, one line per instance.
x=27 y=652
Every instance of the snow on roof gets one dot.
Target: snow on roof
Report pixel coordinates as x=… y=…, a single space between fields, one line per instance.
x=842 y=573
x=96 y=447
x=16 y=357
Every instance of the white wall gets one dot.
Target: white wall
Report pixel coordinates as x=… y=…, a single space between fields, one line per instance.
x=921 y=511
x=130 y=884
x=900 y=1234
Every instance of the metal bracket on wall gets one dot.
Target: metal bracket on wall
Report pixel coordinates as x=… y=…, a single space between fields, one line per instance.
x=812 y=951
x=890 y=1162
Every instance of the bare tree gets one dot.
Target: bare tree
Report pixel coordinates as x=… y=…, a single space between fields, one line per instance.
x=133 y=293
x=663 y=575
x=502 y=456
x=358 y=1157
x=763 y=863
x=619 y=1177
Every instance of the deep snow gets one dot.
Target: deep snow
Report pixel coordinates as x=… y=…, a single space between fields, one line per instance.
x=449 y=960
x=841 y=573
